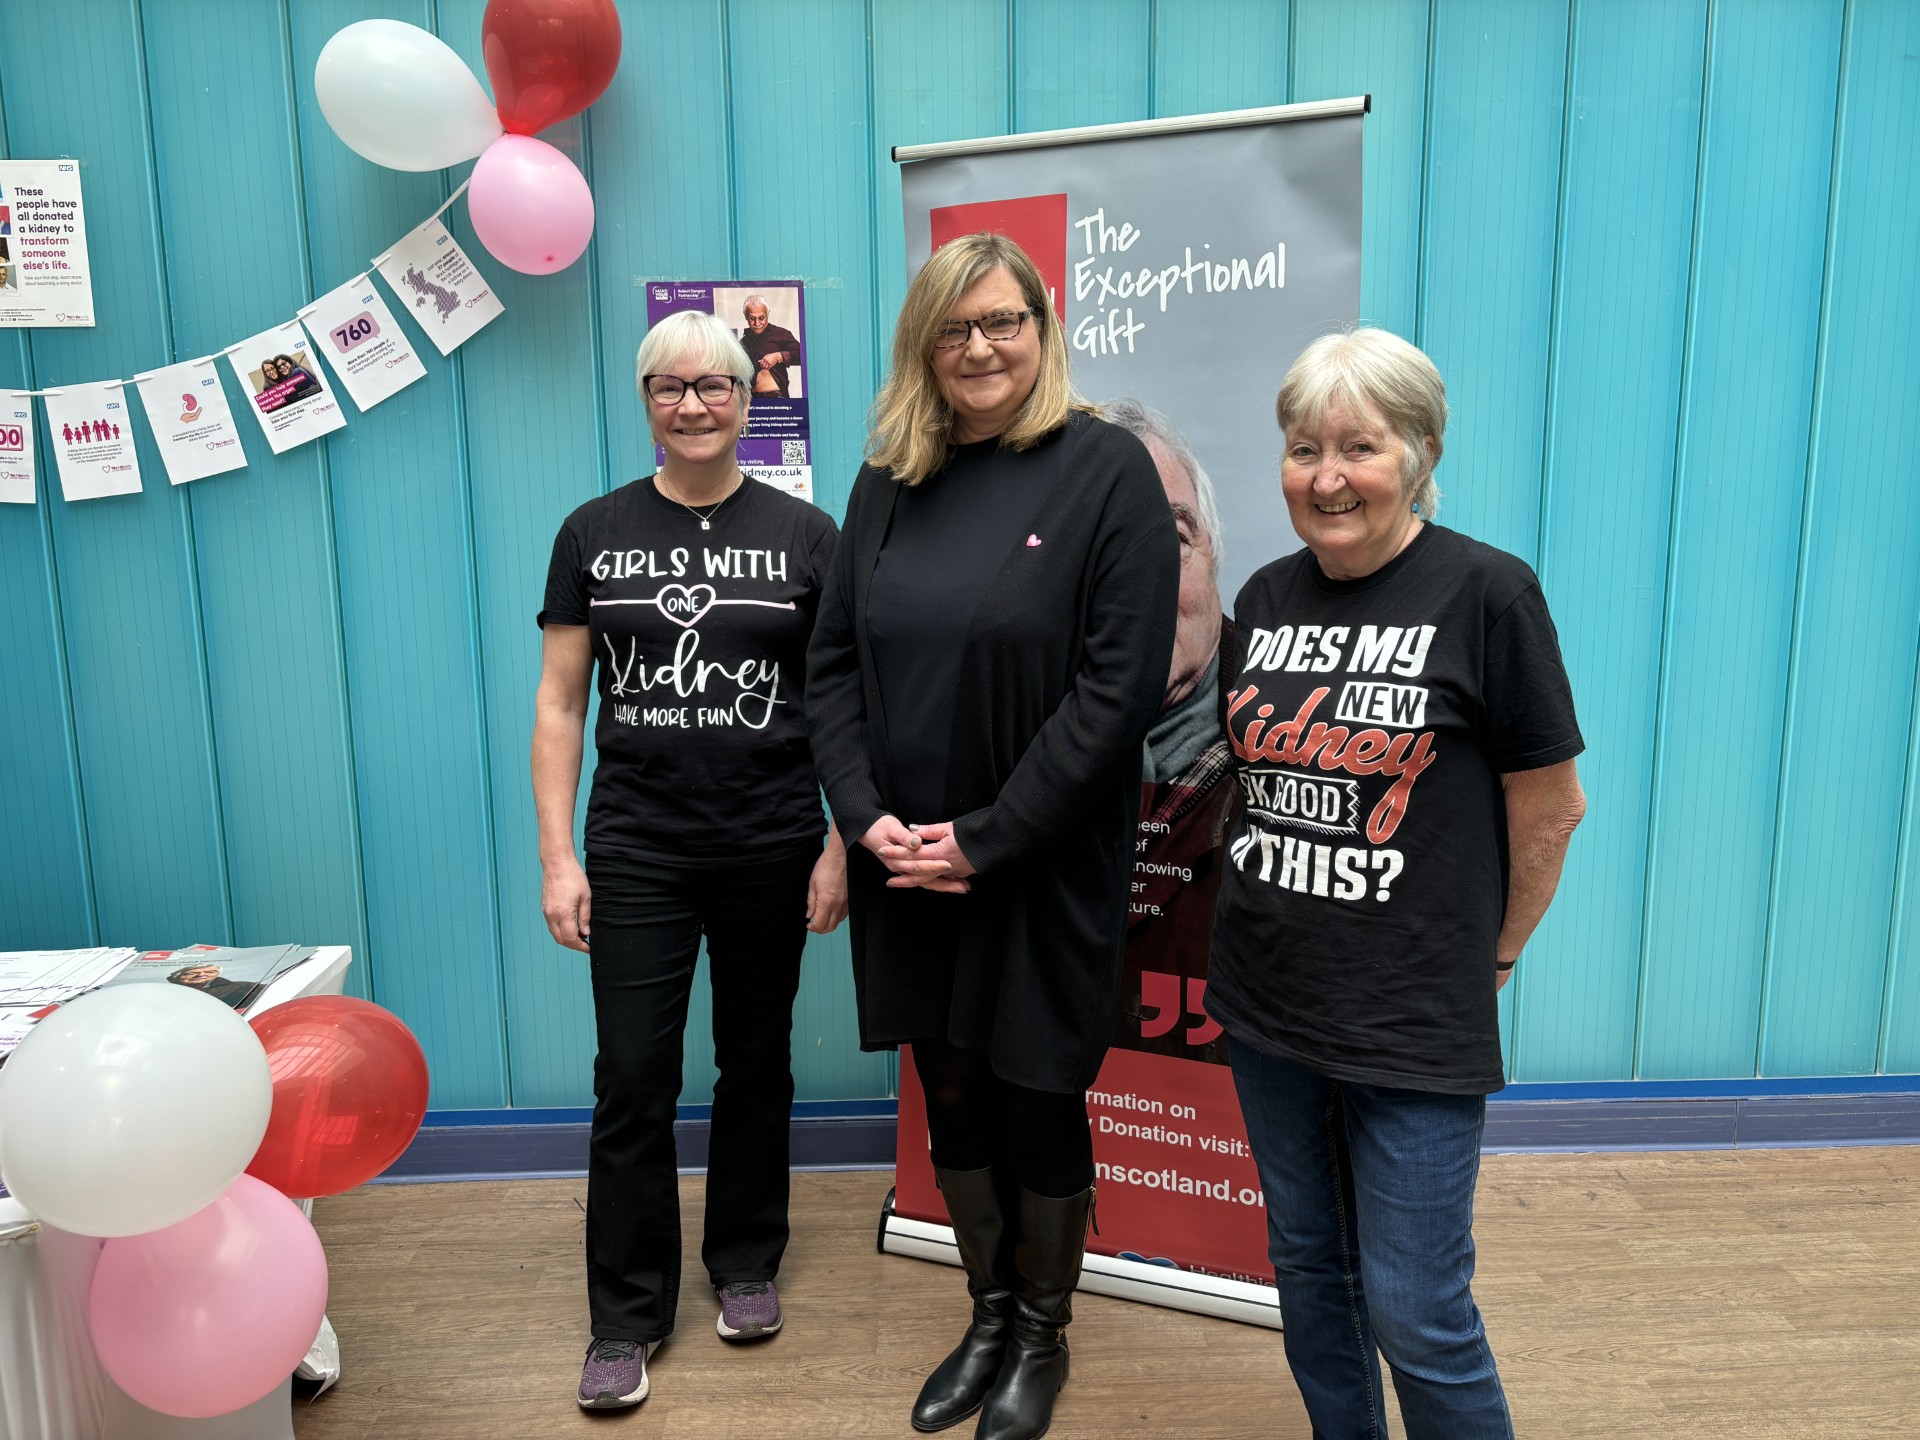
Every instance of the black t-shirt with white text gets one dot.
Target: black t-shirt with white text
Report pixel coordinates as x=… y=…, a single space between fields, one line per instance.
x=699 y=642
x=1366 y=883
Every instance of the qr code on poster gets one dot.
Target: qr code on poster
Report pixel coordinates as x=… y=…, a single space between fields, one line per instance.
x=793 y=452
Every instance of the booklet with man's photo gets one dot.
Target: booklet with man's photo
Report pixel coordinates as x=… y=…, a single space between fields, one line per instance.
x=235 y=977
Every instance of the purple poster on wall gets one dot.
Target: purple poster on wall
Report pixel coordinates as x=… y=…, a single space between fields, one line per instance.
x=769 y=316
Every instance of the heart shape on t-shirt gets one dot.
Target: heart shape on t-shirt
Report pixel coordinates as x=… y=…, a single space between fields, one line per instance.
x=684 y=604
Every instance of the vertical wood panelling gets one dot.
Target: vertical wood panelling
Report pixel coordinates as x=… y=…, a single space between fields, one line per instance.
x=262 y=537
x=1851 y=710
x=1498 y=95
x=800 y=92
x=128 y=601
x=659 y=151
x=1499 y=90
x=1625 y=241
x=1079 y=62
x=1378 y=49
x=403 y=551
x=1765 y=158
x=939 y=72
x=1660 y=249
x=1220 y=54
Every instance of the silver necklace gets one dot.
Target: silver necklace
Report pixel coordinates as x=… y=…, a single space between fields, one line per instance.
x=706 y=520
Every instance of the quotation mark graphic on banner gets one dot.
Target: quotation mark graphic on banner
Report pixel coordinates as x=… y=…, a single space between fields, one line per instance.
x=1160 y=1007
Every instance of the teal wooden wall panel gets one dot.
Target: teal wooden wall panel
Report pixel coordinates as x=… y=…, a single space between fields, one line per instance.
x=1219 y=55
x=1079 y=62
x=1495 y=111
x=1625 y=240
x=940 y=71
x=1766 y=154
x=809 y=216
x=1493 y=198
x=128 y=595
x=1850 y=711
x=1668 y=295
x=1900 y=1018
x=262 y=537
x=1377 y=49
x=407 y=587
x=46 y=898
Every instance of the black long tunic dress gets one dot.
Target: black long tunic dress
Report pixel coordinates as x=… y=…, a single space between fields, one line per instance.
x=1056 y=673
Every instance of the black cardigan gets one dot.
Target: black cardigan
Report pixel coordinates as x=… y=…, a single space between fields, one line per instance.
x=1063 y=670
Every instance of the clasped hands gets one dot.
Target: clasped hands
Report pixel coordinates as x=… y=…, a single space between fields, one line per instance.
x=925 y=857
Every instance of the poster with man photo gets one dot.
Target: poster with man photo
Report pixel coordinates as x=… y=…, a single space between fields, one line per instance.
x=769 y=317
x=290 y=396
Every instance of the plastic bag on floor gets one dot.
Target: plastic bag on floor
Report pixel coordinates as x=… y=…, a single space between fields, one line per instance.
x=323 y=1359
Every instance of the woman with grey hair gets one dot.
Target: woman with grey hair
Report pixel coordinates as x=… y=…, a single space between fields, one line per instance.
x=1406 y=741
x=695 y=590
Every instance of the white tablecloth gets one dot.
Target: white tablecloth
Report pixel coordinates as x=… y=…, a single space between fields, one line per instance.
x=51 y=1383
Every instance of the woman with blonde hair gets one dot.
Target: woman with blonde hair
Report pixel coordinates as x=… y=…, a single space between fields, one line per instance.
x=993 y=644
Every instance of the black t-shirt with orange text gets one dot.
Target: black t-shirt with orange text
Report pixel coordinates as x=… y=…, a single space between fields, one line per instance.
x=1366 y=881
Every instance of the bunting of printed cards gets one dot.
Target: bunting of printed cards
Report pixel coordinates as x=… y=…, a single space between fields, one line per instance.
x=16 y=447
x=450 y=299
x=92 y=433
x=369 y=354
x=191 y=421
x=290 y=395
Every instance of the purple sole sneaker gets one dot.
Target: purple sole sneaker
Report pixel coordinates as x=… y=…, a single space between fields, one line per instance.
x=749 y=1310
x=614 y=1376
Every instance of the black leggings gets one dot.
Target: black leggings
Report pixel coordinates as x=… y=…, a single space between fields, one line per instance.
x=976 y=1120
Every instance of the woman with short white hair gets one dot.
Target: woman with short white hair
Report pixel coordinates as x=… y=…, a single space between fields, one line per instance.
x=1406 y=739
x=694 y=590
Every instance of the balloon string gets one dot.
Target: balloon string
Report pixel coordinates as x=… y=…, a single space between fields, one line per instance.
x=449 y=201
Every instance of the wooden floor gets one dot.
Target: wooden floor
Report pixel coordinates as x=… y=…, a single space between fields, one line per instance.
x=1743 y=1294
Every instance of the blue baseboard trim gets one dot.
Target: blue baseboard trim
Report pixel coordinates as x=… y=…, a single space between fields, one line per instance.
x=1611 y=1115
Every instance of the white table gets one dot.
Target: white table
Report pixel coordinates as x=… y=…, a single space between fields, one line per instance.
x=51 y=1383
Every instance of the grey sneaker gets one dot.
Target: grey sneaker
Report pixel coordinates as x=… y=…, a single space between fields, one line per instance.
x=615 y=1375
x=749 y=1310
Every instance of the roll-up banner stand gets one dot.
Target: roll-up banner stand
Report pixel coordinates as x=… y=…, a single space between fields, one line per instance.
x=1189 y=260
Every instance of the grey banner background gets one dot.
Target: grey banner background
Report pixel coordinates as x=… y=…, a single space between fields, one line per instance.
x=1211 y=362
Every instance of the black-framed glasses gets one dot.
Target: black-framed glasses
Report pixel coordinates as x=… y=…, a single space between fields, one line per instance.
x=1001 y=325
x=671 y=389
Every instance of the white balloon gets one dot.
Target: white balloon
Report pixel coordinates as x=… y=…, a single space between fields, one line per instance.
x=402 y=98
x=131 y=1108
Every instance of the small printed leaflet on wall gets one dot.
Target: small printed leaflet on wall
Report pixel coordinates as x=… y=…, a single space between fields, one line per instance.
x=290 y=396
x=769 y=317
x=449 y=298
x=45 y=280
x=191 y=421
x=93 y=440
x=16 y=447
x=369 y=354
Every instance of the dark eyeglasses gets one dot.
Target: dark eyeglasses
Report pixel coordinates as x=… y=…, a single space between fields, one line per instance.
x=1003 y=325
x=671 y=389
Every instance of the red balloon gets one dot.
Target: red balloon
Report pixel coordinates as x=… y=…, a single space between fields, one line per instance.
x=548 y=59
x=349 y=1093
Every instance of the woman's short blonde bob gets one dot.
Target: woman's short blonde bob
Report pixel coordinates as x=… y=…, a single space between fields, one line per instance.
x=1372 y=369
x=700 y=339
x=910 y=427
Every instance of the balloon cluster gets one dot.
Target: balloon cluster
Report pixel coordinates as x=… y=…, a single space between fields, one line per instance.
x=402 y=98
x=132 y=1113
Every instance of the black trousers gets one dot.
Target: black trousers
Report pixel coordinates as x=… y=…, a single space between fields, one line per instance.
x=646 y=930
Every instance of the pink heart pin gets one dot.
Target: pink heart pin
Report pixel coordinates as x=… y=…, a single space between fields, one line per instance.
x=1032 y=540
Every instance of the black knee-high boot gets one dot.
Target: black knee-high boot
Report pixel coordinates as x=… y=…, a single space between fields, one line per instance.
x=1052 y=1241
x=961 y=1381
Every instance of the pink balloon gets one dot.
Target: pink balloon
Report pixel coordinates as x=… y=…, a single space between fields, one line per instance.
x=209 y=1314
x=530 y=205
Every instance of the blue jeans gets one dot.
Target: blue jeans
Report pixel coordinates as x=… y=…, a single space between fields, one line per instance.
x=1370 y=1228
